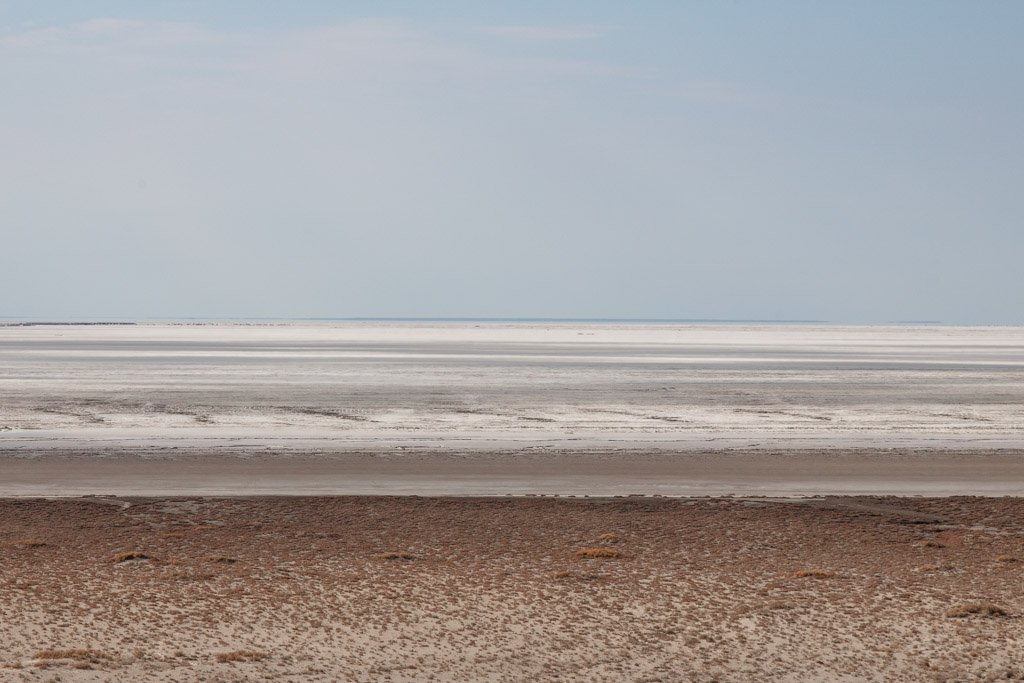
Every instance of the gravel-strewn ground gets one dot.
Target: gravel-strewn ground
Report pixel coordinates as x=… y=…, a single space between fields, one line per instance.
x=407 y=588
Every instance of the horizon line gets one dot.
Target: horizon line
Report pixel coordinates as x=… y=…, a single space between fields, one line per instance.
x=11 y=321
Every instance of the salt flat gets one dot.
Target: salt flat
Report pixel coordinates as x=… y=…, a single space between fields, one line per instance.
x=248 y=390
x=495 y=385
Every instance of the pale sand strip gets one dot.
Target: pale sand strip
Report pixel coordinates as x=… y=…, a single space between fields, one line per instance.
x=708 y=473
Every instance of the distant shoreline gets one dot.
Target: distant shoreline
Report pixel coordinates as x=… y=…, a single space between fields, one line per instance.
x=28 y=322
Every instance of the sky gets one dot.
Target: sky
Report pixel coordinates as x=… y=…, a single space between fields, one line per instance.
x=855 y=162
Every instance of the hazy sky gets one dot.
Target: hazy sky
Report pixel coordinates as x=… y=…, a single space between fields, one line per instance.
x=854 y=162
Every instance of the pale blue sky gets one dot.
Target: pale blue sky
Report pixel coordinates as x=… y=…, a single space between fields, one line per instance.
x=853 y=162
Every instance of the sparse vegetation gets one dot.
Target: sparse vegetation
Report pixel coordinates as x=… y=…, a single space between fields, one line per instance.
x=930 y=544
x=241 y=656
x=983 y=608
x=598 y=552
x=31 y=543
x=468 y=585
x=129 y=556
x=87 y=655
x=1006 y=558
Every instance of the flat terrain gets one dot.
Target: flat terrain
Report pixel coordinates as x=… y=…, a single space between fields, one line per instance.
x=457 y=589
x=144 y=534
x=141 y=472
x=378 y=387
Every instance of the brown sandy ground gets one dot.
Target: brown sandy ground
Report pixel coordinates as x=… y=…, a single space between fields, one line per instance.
x=458 y=589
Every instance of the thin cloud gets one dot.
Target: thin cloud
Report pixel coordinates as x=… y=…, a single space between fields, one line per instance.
x=100 y=34
x=365 y=48
x=546 y=32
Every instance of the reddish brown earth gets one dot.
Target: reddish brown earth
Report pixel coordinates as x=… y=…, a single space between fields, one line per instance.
x=458 y=589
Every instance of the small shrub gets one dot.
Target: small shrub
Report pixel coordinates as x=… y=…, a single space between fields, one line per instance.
x=982 y=608
x=220 y=559
x=930 y=544
x=79 y=655
x=395 y=556
x=814 y=574
x=132 y=555
x=241 y=656
x=608 y=538
x=598 y=552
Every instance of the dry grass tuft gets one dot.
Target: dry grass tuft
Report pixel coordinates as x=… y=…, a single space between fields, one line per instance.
x=814 y=574
x=930 y=544
x=395 y=556
x=608 y=538
x=983 y=608
x=79 y=655
x=241 y=656
x=221 y=559
x=31 y=543
x=598 y=552
x=1006 y=558
x=132 y=555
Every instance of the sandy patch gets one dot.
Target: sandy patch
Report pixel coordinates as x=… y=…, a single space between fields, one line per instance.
x=409 y=589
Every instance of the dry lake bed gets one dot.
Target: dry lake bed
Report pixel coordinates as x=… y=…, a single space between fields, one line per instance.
x=511 y=502
x=494 y=408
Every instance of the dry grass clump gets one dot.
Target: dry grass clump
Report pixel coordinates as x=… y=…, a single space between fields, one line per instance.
x=31 y=543
x=930 y=544
x=608 y=538
x=131 y=555
x=597 y=552
x=395 y=556
x=983 y=608
x=221 y=559
x=241 y=656
x=79 y=655
x=814 y=574
x=1006 y=558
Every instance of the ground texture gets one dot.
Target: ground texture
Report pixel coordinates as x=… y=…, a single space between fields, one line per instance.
x=458 y=589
